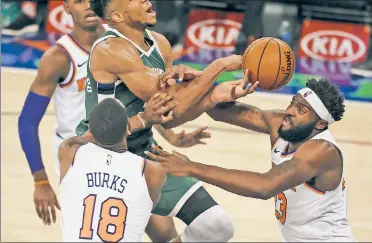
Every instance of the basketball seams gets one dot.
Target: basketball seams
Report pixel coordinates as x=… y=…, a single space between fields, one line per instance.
x=259 y=62
x=279 y=64
x=293 y=64
x=270 y=80
x=246 y=53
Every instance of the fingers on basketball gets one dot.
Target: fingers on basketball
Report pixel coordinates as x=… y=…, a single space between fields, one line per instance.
x=271 y=61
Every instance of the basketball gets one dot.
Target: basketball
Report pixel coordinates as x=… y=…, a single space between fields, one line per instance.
x=270 y=61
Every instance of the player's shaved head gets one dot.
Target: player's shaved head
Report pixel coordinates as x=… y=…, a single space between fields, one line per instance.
x=108 y=122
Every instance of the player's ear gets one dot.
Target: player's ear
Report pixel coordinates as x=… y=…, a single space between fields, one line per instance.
x=128 y=130
x=65 y=6
x=117 y=17
x=321 y=125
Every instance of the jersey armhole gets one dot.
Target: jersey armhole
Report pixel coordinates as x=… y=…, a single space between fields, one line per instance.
x=71 y=74
x=143 y=166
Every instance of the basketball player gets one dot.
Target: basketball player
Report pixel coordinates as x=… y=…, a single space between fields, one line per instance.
x=62 y=73
x=127 y=63
x=306 y=179
x=106 y=192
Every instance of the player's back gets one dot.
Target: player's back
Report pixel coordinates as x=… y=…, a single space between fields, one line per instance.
x=305 y=213
x=104 y=197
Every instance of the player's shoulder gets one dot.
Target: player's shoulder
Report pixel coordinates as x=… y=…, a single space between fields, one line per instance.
x=319 y=151
x=72 y=144
x=154 y=168
x=115 y=46
x=54 y=64
x=56 y=54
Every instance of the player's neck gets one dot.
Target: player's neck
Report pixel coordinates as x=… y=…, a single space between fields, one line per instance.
x=137 y=35
x=86 y=38
x=294 y=146
x=116 y=147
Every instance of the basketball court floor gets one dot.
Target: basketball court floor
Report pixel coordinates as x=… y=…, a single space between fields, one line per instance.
x=230 y=147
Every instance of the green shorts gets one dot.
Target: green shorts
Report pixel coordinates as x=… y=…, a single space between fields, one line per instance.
x=175 y=193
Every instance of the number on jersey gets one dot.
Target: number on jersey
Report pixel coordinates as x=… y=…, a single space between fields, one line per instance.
x=281 y=212
x=111 y=225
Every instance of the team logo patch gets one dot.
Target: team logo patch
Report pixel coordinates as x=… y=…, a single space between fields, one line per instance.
x=109 y=157
x=307 y=93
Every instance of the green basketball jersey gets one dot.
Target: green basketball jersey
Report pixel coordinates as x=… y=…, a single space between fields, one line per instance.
x=141 y=140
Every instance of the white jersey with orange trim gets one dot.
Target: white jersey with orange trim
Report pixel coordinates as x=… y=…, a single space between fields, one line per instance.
x=306 y=214
x=69 y=95
x=104 y=197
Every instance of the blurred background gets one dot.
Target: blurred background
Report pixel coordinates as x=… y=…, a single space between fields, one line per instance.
x=330 y=38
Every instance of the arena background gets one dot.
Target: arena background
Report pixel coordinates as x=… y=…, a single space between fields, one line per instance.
x=330 y=38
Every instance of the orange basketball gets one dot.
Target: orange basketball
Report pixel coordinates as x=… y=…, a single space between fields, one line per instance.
x=270 y=61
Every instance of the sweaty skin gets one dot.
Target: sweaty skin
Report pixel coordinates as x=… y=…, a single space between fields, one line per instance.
x=315 y=159
x=122 y=61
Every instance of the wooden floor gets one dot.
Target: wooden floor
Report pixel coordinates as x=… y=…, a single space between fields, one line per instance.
x=229 y=146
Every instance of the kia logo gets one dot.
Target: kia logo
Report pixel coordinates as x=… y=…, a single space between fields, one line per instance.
x=214 y=33
x=333 y=45
x=61 y=20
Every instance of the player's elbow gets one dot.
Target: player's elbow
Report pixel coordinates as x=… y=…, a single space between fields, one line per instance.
x=266 y=191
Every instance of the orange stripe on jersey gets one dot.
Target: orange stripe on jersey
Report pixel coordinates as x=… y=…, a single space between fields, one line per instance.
x=74 y=68
x=343 y=184
x=77 y=45
x=314 y=189
x=143 y=167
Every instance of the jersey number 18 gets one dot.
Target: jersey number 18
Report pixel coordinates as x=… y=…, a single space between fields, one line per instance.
x=111 y=225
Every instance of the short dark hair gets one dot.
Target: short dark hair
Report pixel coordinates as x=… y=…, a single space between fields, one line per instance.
x=330 y=95
x=99 y=7
x=108 y=122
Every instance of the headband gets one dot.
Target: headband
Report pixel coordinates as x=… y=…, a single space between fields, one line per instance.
x=316 y=104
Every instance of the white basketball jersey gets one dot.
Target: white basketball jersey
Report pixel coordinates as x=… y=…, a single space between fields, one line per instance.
x=104 y=197
x=69 y=99
x=307 y=214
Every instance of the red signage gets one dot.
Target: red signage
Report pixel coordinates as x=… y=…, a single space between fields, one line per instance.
x=209 y=29
x=332 y=41
x=58 y=20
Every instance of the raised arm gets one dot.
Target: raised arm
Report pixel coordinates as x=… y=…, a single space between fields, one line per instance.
x=311 y=159
x=126 y=64
x=249 y=117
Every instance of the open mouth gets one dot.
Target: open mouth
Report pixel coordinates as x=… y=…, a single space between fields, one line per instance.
x=151 y=11
x=91 y=17
x=287 y=121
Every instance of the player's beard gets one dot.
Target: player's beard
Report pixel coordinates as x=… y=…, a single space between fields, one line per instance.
x=298 y=133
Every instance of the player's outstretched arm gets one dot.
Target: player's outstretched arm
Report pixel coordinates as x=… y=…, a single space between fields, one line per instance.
x=155 y=177
x=248 y=116
x=225 y=92
x=54 y=65
x=125 y=63
x=311 y=159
